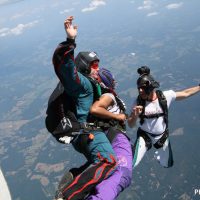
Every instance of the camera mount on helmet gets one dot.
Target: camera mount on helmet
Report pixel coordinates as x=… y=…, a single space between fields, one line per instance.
x=83 y=61
x=146 y=81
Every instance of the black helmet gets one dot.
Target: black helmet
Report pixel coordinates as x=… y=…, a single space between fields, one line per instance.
x=83 y=61
x=145 y=80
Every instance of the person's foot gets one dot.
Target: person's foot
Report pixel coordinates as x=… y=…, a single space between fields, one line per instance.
x=65 y=181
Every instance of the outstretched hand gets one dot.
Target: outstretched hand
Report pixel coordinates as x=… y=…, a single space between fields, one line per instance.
x=70 y=29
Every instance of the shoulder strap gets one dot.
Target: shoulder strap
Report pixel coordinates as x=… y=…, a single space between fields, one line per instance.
x=141 y=102
x=96 y=88
x=121 y=104
x=163 y=104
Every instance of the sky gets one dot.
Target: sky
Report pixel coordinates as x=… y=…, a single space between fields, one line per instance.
x=126 y=33
x=17 y=16
x=39 y=25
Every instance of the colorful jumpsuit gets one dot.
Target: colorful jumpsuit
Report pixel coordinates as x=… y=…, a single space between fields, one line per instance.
x=110 y=188
x=98 y=151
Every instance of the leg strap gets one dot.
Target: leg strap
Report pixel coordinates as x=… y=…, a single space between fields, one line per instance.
x=162 y=140
x=147 y=139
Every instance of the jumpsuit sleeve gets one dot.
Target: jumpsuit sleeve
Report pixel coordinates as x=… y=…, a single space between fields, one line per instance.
x=65 y=68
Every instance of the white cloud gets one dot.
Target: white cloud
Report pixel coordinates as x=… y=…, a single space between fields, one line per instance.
x=174 y=5
x=94 y=5
x=178 y=132
x=152 y=14
x=133 y=53
x=147 y=5
x=4 y=2
x=66 y=11
x=16 y=30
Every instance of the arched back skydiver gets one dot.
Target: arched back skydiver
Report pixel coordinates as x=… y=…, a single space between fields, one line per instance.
x=151 y=107
x=98 y=151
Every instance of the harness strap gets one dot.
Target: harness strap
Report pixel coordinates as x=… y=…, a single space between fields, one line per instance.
x=163 y=104
x=156 y=115
x=162 y=140
x=147 y=139
x=148 y=142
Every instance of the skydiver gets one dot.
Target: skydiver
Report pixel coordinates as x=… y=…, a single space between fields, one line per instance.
x=98 y=151
x=151 y=107
x=110 y=108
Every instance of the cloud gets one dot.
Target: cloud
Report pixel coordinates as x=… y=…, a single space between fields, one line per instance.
x=17 y=16
x=94 y=5
x=152 y=14
x=66 y=11
x=147 y=5
x=16 y=30
x=4 y=2
x=174 y=5
x=178 y=132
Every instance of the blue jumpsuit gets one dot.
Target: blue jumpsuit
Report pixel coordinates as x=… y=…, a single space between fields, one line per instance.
x=98 y=151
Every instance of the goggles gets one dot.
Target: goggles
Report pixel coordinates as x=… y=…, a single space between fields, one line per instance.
x=95 y=65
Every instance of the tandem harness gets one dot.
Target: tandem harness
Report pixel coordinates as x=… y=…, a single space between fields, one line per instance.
x=163 y=104
x=61 y=120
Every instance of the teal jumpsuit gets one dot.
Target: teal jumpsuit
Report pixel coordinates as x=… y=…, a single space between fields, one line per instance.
x=98 y=151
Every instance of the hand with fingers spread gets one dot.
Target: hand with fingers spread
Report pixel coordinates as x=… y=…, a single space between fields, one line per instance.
x=70 y=29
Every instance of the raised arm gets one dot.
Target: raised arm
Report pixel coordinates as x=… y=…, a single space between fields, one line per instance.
x=64 y=63
x=70 y=29
x=187 y=92
x=66 y=48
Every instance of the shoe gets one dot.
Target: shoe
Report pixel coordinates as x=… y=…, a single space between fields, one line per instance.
x=65 y=181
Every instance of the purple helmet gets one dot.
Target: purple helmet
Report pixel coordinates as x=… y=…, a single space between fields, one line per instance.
x=107 y=78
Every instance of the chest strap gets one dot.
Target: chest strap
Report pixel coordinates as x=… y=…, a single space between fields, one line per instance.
x=156 y=115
